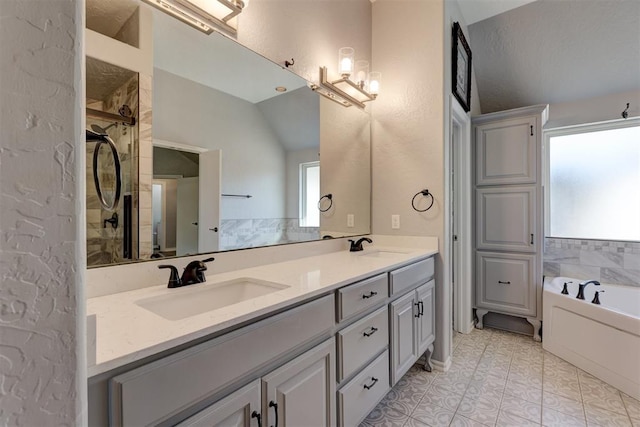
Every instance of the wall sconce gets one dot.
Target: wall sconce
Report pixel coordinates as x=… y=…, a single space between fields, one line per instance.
x=203 y=15
x=346 y=91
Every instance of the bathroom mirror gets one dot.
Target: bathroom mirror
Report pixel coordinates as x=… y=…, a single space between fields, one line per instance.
x=240 y=151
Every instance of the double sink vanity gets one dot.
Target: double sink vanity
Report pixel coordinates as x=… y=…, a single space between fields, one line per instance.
x=313 y=341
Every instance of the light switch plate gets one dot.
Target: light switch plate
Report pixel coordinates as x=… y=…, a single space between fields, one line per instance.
x=395 y=221
x=350 y=220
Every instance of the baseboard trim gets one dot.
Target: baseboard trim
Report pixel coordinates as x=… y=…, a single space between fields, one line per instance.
x=441 y=366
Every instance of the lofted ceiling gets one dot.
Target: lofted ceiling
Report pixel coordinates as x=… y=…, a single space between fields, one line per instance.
x=477 y=10
x=552 y=51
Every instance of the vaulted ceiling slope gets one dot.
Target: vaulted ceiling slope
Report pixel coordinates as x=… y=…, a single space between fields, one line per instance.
x=552 y=51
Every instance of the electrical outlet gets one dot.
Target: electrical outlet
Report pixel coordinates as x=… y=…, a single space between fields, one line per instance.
x=350 y=220
x=395 y=221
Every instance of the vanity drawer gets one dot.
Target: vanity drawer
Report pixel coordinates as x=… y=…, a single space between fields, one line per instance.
x=154 y=392
x=409 y=277
x=358 y=342
x=360 y=395
x=360 y=296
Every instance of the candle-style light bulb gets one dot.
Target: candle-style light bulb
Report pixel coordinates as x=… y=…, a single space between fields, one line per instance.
x=345 y=61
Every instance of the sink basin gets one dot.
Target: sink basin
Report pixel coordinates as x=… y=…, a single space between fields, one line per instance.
x=198 y=299
x=382 y=254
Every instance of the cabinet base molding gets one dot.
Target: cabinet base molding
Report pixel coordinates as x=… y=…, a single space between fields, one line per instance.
x=439 y=366
x=536 y=323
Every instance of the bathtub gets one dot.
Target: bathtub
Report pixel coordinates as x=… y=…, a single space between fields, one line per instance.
x=603 y=340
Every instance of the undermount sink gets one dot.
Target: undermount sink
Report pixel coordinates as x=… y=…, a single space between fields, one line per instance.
x=190 y=301
x=375 y=253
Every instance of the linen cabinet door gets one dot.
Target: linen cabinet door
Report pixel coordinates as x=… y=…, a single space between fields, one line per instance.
x=506 y=283
x=505 y=218
x=303 y=391
x=239 y=409
x=426 y=320
x=506 y=152
x=404 y=351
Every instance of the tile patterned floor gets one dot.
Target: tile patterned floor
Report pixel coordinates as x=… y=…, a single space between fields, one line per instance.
x=502 y=379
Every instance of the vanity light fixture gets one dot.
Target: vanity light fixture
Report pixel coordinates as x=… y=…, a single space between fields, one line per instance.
x=203 y=15
x=345 y=90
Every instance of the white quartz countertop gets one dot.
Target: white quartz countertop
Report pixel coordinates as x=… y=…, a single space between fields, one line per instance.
x=126 y=332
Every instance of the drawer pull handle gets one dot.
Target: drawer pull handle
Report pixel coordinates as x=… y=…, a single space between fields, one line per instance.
x=371 y=294
x=274 y=405
x=255 y=414
x=504 y=283
x=373 y=331
x=421 y=305
x=369 y=386
x=417 y=304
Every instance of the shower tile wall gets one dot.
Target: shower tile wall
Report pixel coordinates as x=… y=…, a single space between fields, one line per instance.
x=145 y=168
x=244 y=233
x=105 y=244
x=608 y=261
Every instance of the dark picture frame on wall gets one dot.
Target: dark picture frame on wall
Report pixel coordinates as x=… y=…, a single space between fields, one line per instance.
x=461 y=68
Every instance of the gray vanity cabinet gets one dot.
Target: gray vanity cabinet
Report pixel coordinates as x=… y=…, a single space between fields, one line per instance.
x=412 y=328
x=239 y=409
x=508 y=213
x=303 y=390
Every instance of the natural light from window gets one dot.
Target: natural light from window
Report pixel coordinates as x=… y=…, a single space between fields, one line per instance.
x=309 y=194
x=594 y=180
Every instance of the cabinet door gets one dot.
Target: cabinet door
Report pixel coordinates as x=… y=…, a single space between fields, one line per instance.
x=303 y=390
x=403 y=332
x=505 y=218
x=506 y=152
x=426 y=320
x=506 y=282
x=239 y=409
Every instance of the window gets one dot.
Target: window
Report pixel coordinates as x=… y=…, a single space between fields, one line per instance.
x=309 y=194
x=594 y=181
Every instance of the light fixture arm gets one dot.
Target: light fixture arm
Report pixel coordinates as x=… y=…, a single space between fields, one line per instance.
x=332 y=87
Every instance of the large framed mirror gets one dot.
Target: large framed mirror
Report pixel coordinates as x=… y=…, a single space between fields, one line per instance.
x=228 y=151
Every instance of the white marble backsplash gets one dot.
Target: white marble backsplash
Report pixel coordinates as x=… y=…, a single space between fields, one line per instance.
x=613 y=262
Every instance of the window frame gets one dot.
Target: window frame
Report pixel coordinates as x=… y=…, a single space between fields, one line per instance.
x=302 y=194
x=547 y=134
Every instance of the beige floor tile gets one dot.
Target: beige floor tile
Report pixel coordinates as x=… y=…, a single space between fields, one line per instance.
x=432 y=415
x=552 y=418
x=563 y=404
x=603 y=418
x=482 y=410
x=632 y=405
x=601 y=397
x=563 y=387
x=506 y=419
x=404 y=397
x=437 y=395
x=460 y=421
x=412 y=422
x=522 y=408
x=383 y=416
x=523 y=391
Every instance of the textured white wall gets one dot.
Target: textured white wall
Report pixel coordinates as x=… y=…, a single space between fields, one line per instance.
x=408 y=129
x=311 y=32
x=608 y=107
x=42 y=366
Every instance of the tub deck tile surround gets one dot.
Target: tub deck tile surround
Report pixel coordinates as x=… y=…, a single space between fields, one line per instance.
x=527 y=386
x=613 y=262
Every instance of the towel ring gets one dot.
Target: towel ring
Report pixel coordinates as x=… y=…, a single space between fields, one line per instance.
x=326 y=196
x=425 y=193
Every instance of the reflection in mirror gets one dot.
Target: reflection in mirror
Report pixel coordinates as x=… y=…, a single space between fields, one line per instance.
x=242 y=150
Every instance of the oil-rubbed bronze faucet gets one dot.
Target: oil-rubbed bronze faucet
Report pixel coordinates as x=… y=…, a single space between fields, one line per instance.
x=357 y=246
x=193 y=273
x=583 y=285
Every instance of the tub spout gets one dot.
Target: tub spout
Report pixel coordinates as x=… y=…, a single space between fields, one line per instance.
x=583 y=285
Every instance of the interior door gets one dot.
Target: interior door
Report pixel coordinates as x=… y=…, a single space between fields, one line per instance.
x=187 y=216
x=209 y=195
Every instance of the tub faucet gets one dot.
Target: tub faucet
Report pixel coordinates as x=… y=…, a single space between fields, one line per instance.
x=583 y=285
x=357 y=246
